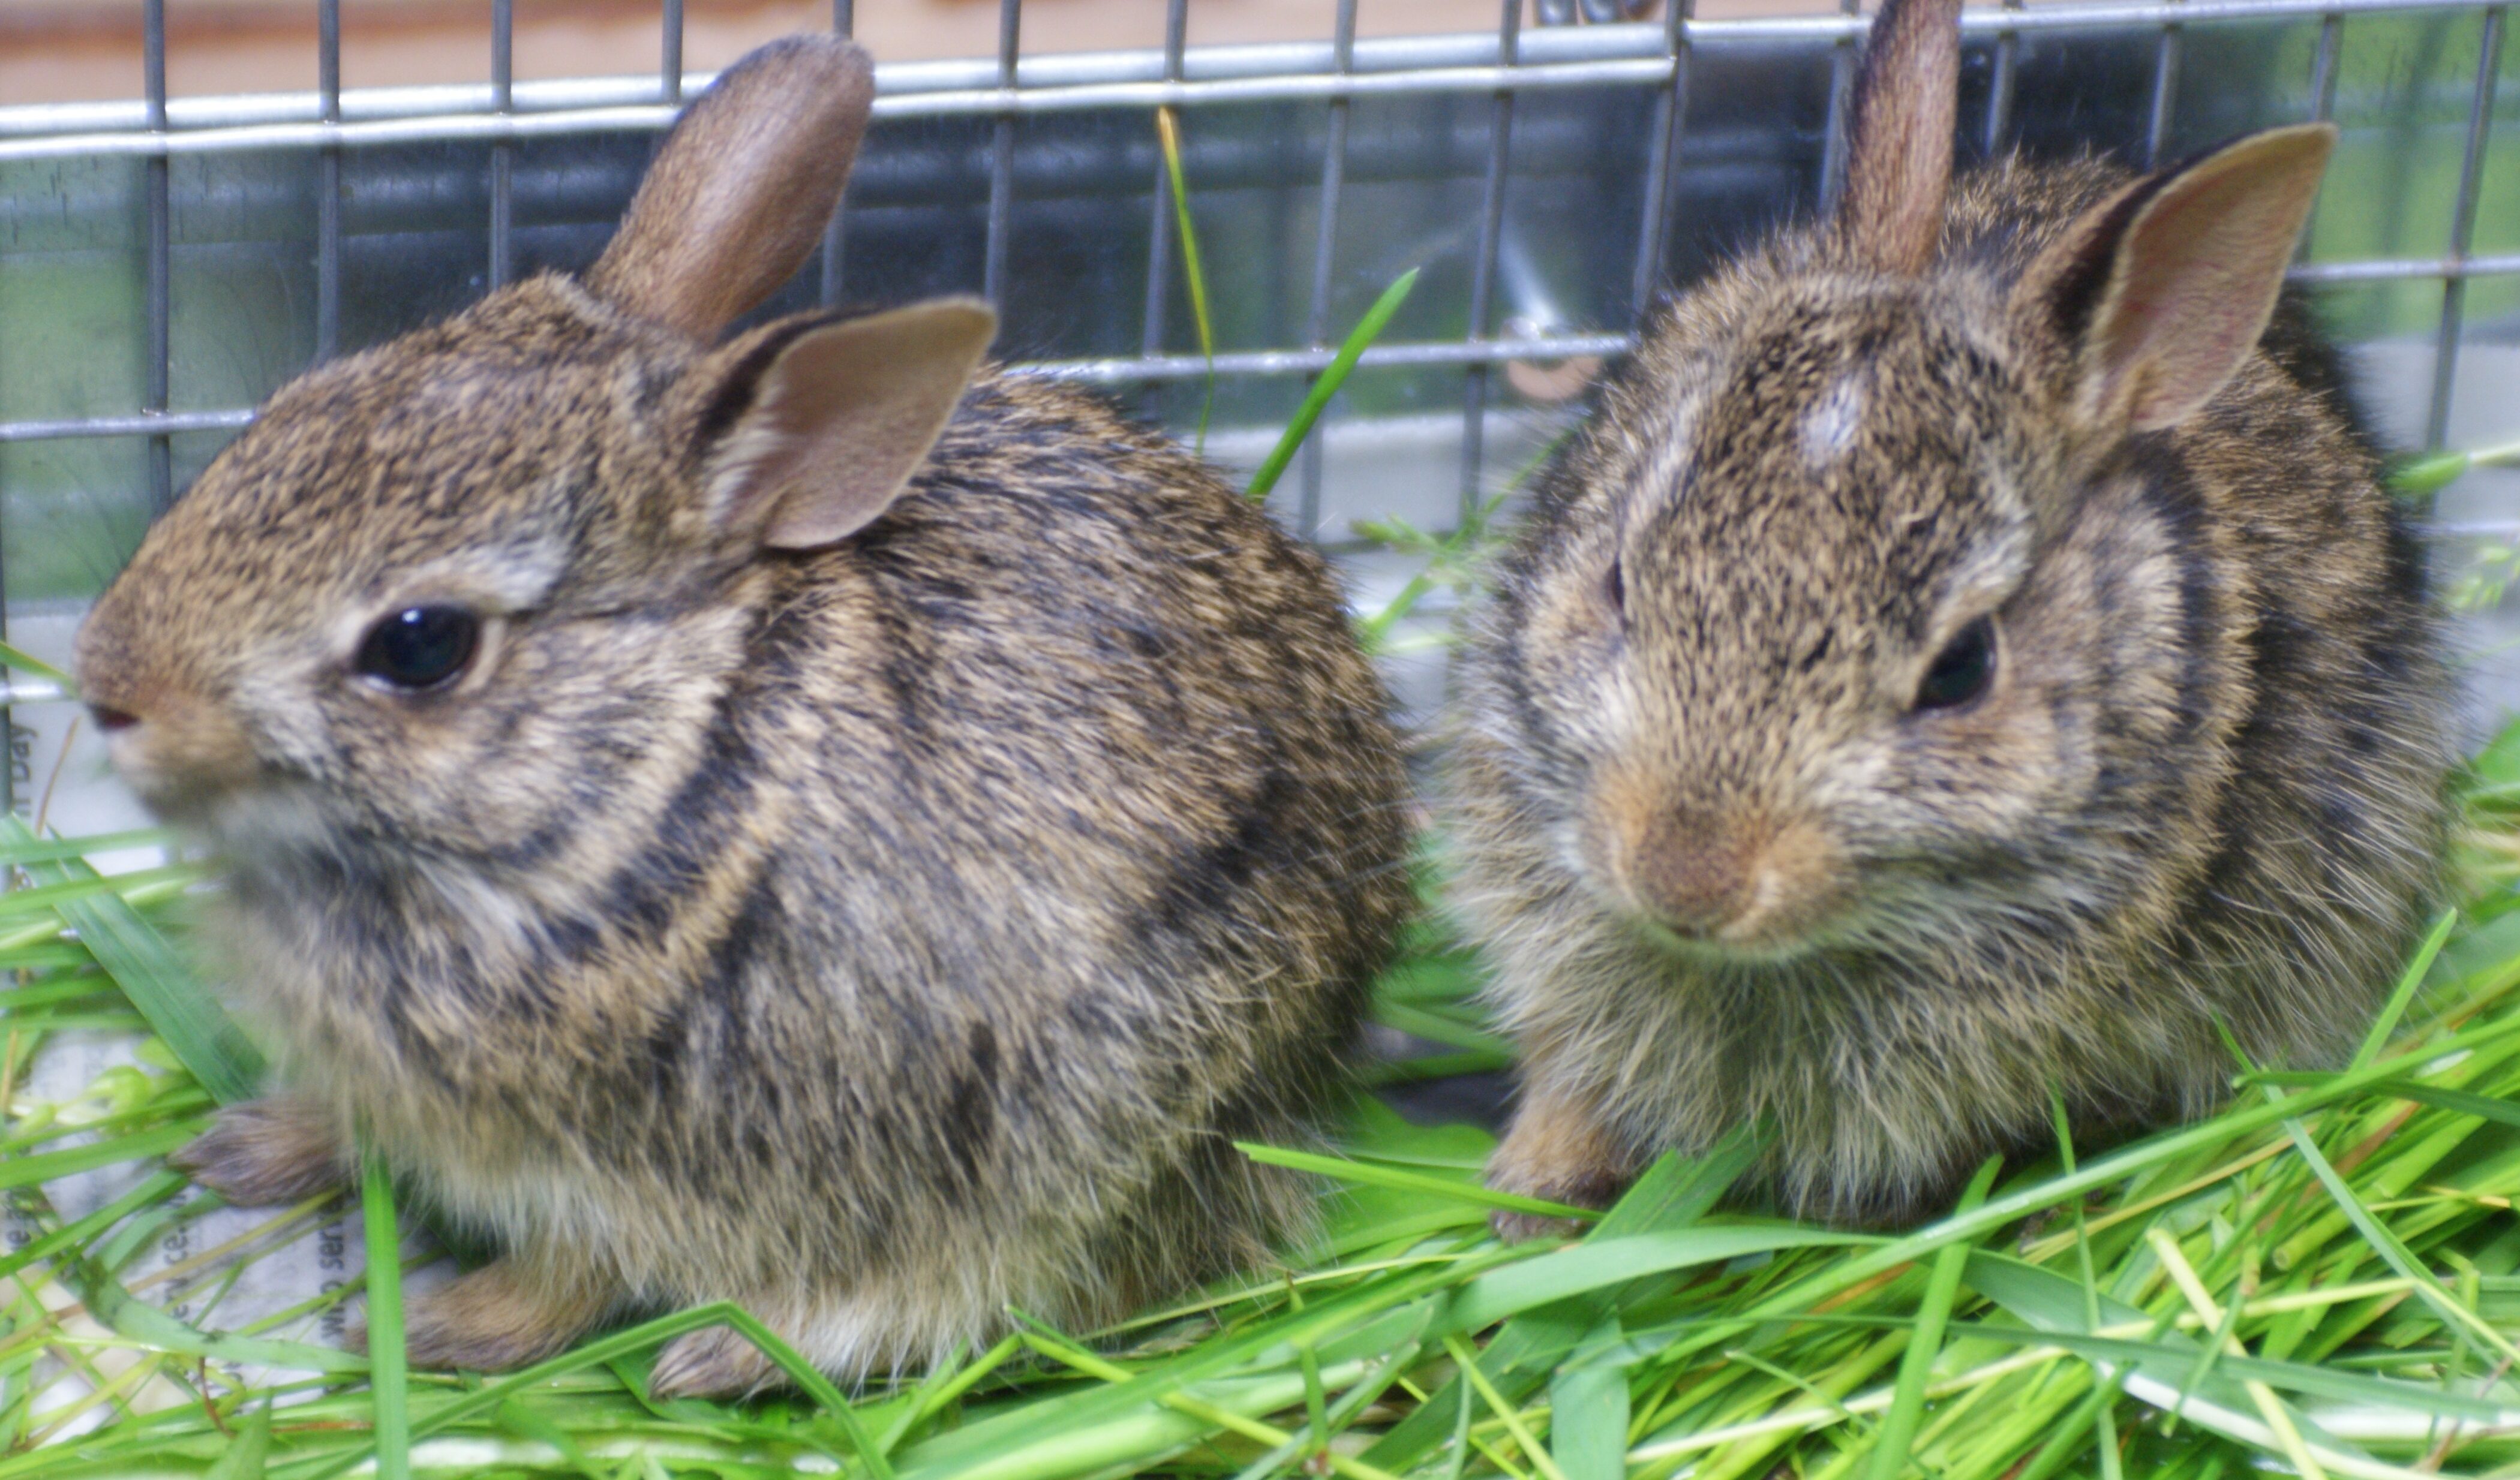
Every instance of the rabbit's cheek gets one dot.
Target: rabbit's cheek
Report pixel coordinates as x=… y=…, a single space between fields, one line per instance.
x=1990 y=770
x=271 y=824
x=1577 y=650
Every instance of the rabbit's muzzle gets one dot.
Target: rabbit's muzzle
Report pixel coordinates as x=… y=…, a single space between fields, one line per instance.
x=178 y=749
x=1726 y=878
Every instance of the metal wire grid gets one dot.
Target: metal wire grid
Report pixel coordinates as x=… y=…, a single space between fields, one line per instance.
x=1502 y=64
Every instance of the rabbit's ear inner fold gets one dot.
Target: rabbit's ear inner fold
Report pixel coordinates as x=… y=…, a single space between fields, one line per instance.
x=2161 y=292
x=741 y=188
x=809 y=441
x=1889 y=217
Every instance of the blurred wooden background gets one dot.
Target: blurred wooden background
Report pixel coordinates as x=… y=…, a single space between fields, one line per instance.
x=65 y=49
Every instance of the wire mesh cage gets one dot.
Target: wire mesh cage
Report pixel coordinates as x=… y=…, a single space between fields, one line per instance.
x=168 y=262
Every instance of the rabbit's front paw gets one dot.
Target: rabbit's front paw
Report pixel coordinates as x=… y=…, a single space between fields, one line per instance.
x=1557 y=1150
x=498 y=1317
x=267 y=1152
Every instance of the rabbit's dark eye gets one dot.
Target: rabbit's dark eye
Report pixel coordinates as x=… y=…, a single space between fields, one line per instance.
x=1614 y=588
x=1963 y=670
x=420 y=647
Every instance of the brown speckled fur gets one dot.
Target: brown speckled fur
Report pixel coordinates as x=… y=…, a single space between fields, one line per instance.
x=2204 y=786
x=878 y=936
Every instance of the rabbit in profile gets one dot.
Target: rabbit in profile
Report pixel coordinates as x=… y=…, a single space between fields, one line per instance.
x=779 y=820
x=1968 y=655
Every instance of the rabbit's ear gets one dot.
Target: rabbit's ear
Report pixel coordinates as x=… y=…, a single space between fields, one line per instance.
x=2161 y=292
x=813 y=426
x=741 y=188
x=1899 y=137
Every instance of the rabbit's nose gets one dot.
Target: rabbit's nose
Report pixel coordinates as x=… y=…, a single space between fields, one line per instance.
x=1693 y=869
x=1740 y=881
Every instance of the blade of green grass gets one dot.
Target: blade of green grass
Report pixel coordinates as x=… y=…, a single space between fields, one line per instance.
x=27 y=662
x=2418 y=477
x=45 y=898
x=2427 y=1286
x=150 y=1191
x=2457 y=1101
x=1168 y=134
x=1505 y=1413
x=2408 y=981
x=52 y=850
x=1368 y=330
x=2170 y=1362
x=127 y=1314
x=515 y=1415
x=49 y=1166
x=1589 y=1414
x=389 y=1380
x=1588 y=1266
x=1410 y=1181
x=153 y=975
x=1672 y=1195
x=989 y=1440
x=1908 y=1406
x=2104 y=1416
x=245 y=1456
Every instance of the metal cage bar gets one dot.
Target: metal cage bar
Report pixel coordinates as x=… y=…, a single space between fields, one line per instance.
x=669 y=59
x=1483 y=263
x=2322 y=67
x=1316 y=317
x=1998 y=94
x=845 y=17
x=327 y=184
x=160 y=308
x=1841 y=83
x=503 y=153
x=1662 y=166
x=1002 y=151
x=1574 y=56
x=1503 y=63
x=2462 y=231
x=2165 y=91
x=2322 y=106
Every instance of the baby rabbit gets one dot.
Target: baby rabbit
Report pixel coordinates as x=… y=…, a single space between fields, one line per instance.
x=1969 y=653
x=782 y=820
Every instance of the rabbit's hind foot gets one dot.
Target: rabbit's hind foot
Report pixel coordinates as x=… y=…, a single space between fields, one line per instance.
x=714 y=1361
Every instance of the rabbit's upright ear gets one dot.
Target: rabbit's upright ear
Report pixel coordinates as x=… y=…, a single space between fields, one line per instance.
x=741 y=188
x=812 y=427
x=2160 y=292
x=1889 y=216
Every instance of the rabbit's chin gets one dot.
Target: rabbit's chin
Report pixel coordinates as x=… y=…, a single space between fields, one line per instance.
x=1697 y=951
x=271 y=825
x=1766 y=950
